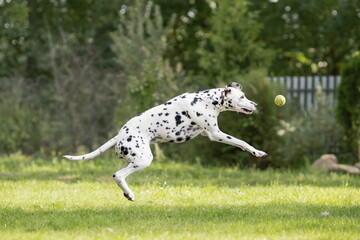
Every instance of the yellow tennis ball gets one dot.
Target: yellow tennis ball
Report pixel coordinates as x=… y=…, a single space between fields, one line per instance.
x=280 y=100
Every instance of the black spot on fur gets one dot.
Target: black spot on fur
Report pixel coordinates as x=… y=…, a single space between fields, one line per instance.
x=198 y=114
x=215 y=103
x=124 y=150
x=228 y=137
x=129 y=139
x=195 y=100
x=178 y=120
x=179 y=139
x=185 y=113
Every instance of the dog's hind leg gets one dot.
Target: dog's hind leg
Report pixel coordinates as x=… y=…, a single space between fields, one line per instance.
x=137 y=161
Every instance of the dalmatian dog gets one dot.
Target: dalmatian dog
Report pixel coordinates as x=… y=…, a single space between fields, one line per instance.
x=178 y=120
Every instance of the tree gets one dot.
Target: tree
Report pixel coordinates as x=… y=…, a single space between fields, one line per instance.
x=80 y=96
x=25 y=26
x=61 y=50
x=310 y=37
x=232 y=46
x=188 y=32
x=139 y=47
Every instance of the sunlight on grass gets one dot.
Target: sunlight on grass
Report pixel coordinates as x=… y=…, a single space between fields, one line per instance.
x=174 y=201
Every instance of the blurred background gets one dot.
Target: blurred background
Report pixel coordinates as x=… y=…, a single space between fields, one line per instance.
x=73 y=72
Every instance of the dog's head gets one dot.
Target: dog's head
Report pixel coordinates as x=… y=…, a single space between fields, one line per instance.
x=235 y=100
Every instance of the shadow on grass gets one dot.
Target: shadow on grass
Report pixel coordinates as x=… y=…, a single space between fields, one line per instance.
x=135 y=219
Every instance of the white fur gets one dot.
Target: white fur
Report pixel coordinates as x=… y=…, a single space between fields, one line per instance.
x=178 y=120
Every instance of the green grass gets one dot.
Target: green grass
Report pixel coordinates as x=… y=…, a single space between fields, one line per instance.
x=58 y=199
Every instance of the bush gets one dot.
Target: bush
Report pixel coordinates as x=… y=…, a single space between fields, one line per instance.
x=20 y=121
x=348 y=107
x=232 y=46
x=307 y=135
x=139 y=46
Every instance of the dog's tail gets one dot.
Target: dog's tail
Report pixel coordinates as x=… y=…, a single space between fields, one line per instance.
x=95 y=153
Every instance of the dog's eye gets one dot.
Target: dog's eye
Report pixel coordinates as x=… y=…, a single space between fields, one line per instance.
x=242 y=97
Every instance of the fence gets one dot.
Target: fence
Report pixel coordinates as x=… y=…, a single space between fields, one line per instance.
x=302 y=89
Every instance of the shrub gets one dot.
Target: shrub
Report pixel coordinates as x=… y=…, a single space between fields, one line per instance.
x=307 y=135
x=232 y=45
x=139 y=45
x=348 y=107
x=19 y=121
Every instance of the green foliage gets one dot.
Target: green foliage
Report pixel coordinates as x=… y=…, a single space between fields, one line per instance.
x=79 y=99
x=19 y=128
x=232 y=46
x=306 y=36
x=305 y=136
x=139 y=45
x=189 y=31
x=62 y=57
x=26 y=25
x=13 y=18
x=348 y=105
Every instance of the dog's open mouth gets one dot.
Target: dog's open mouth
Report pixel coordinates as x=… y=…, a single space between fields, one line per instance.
x=247 y=111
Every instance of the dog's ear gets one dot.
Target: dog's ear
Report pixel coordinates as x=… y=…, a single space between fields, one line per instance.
x=226 y=91
x=235 y=85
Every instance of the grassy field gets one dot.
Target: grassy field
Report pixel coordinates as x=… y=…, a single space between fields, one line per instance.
x=58 y=199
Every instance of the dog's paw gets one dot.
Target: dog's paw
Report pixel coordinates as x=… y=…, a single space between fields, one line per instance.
x=130 y=196
x=258 y=153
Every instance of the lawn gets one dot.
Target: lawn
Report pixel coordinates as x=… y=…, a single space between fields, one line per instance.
x=59 y=199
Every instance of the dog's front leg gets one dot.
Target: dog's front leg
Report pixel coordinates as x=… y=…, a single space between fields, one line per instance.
x=208 y=122
x=218 y=136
